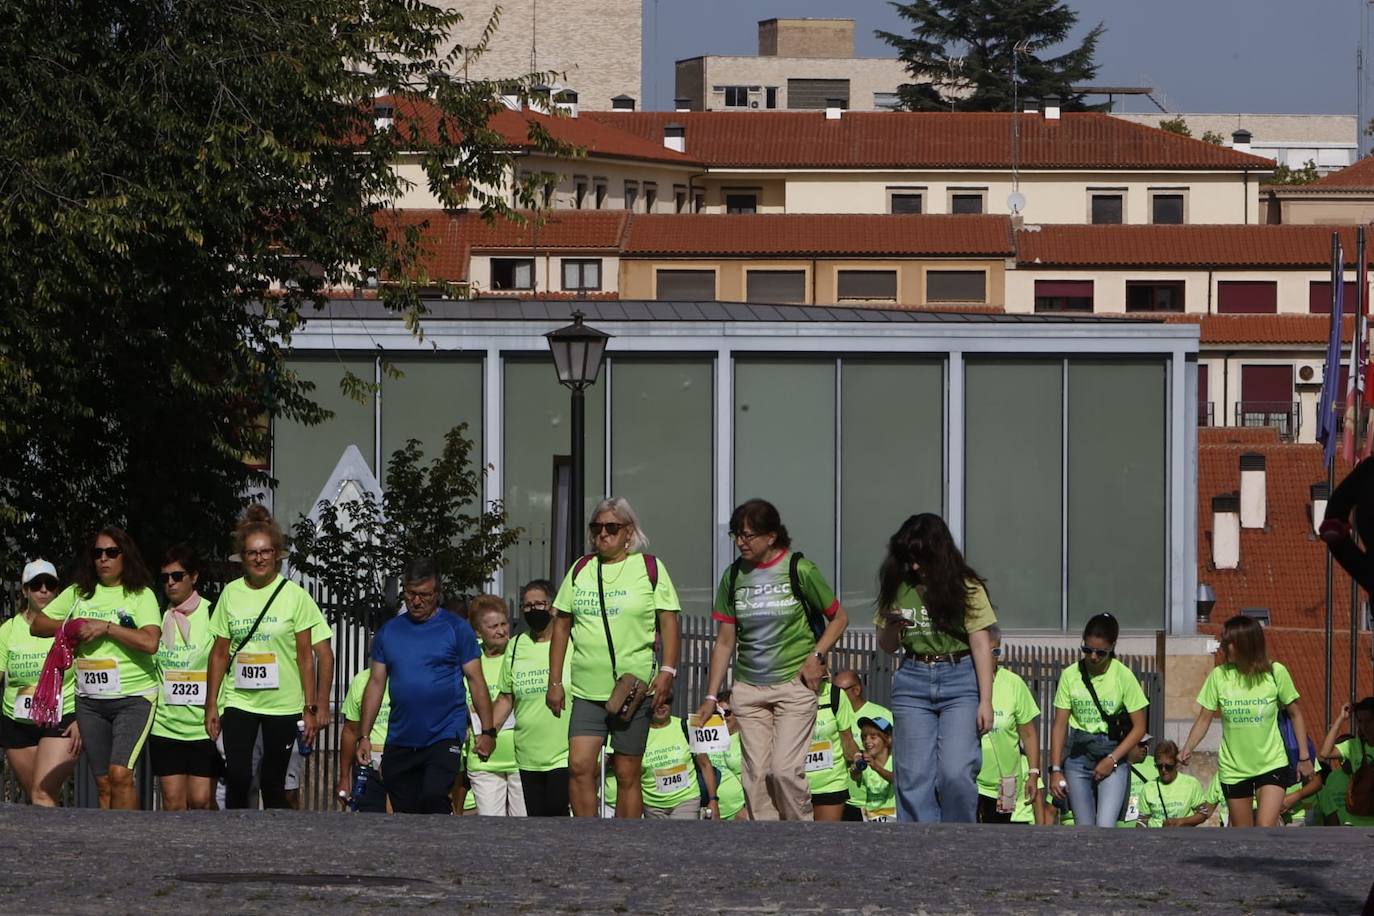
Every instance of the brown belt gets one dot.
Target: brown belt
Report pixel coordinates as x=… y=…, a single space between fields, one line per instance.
x=950 y=657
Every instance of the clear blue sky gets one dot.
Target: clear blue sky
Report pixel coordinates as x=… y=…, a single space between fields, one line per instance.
x=1280 y=56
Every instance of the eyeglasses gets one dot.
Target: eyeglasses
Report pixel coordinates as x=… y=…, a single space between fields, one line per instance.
x=107 y=552
x=535 y=606
x=265 y=554
x=43 y=584
x=849 y=687
x=611 y=528
x=746 y=535
x=1166 y=767
x=414 y=597
x=1095 y=653
x=175 y=576
x=996 y=651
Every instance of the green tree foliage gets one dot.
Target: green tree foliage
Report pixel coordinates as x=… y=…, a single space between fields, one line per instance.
x=984 y=36
x=358 y=547
x=1212 y=137
x=180 y=184
x=1177 y=125
x=1286 y=174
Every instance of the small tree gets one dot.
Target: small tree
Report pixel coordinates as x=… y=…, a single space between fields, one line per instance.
x=1285 y=174
x=1212 y=137
x=358 y=548
x=1177 y=125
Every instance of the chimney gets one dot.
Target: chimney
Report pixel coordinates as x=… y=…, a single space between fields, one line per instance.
x=1030 y=106
x=1321 y=494
x=1226 y=531
x=1051 y=109
x=1252 y=490
x=510 y=96
x=567 y=101
x=1240 y=140
x=675 y=137
x=540 y=98
x=833 y=108
x=384 y=115
x=681 y=103
x=623 y=103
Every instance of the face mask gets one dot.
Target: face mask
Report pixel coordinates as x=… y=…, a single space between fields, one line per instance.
x=537 y=620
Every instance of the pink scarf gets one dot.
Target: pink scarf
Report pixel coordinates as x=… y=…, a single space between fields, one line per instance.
x=47 y=695
x=176 y=620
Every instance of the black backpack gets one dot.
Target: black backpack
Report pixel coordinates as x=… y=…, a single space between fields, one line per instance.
x=815 y=616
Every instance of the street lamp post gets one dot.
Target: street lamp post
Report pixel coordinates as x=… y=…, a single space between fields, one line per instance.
x=577 y=354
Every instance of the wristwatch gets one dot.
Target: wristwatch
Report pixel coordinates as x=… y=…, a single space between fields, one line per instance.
x=490 y=732
x=1033 y=771
x=312 y=709
x=1055 y=768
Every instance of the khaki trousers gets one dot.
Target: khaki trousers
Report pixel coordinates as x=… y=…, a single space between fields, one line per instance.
x=776 y=722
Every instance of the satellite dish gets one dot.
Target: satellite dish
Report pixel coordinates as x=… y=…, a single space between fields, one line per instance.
x=1016 y=202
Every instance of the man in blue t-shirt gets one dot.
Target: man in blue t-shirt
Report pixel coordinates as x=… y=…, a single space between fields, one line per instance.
x=422 y=656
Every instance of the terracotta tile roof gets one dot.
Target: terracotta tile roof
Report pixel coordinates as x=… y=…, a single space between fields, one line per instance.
x=1197 y=246
x=548 y=295
x=1358 y=175
x=443 y=254
x=818 y=234
x=935 y=140
x=1238 y=435
x=1293 y=329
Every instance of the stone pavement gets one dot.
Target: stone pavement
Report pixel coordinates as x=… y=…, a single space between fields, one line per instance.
x=78 y=861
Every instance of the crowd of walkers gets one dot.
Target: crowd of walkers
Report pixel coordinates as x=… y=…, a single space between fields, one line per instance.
x=572 y=714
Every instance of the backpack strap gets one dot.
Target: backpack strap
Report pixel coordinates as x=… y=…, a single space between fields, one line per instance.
x=651 y=568
x=814 y=616
x=834 y=699
x=580 y=565
x=730 y=587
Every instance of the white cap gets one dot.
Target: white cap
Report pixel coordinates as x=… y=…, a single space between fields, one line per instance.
x=36 y=568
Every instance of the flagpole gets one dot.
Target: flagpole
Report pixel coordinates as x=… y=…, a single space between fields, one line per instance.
x=1357 y=341
x=1337 y=279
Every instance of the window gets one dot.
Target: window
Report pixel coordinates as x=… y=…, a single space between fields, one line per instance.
x=1108 y=209
x=812 y=93
x=777 y=286
x=956 y=286
x=1154 y=295
x=581 y=273
x=650 y=196
x=548 y=186
x=601 y=194
x=679 y=198
x=1166 y=208
x=967 y=200
x=699 y=201
x=741 y=202
x=867 y=284
x=736 y=96
x=631 y=195
x=579 y=192
x=1063 y=295
x=886 y=101
x=686 y=285
x=1319 y=297
x=904 y=200
x=1238 y=297
x=771 y=97
x=512 y=273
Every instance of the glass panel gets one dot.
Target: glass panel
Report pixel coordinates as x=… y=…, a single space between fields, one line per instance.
x=892 y=464
x=432 y=397
x=905 y=203
x=537 y=414
x=1117 y=439
x=304 y=457
x=785 y=448
x=1107 y=210
x=966 y=203
x=956 y=286
x=662 y=414
x=784 y=286
x=1012 y=509
x=1168 y=209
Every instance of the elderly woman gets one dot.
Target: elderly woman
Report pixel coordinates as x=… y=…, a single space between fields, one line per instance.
x=610 y=605
x=42 y=756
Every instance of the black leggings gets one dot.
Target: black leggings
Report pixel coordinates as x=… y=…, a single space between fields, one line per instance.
x=240 y=731
x=546 y=792
x=988 y=813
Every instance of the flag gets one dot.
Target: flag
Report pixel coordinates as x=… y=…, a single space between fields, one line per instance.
x=1326 y=405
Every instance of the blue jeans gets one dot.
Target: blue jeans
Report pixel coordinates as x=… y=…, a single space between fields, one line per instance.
x=935 y=741
x=1095 y=804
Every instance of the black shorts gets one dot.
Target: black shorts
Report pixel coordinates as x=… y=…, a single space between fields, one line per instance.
x=830 y=798
x=15 y=734
x=172 y=757
x=1247 y=788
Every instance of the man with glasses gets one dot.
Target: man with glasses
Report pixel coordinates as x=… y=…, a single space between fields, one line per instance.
x=853 y=707
x=422 y=657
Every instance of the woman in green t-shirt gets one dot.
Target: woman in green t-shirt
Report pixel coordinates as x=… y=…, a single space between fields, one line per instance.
x=42 y=757
x=932 y=605
x=1349 y=754
x=116 y=677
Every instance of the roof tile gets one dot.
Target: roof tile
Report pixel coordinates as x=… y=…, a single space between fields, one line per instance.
x=1357 y=176
x=818 y=234
x=1196 y=246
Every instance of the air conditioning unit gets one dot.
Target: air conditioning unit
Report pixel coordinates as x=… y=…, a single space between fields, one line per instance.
x=754 y=104
x=1310 y=372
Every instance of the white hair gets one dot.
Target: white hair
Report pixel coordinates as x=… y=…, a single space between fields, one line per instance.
x=620 y=507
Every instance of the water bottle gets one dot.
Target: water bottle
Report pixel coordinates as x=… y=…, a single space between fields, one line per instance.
x=301 y=747
x=126 y=620
x=359 y=786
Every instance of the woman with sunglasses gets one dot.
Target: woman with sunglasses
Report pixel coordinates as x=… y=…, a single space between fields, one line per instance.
x=1172 y=799
x=185 y=761
x=610 y=606
x=1249 y=690
x=933 y=606
x=1096 y=701
x=116 y=677
x=779 y=618
x=42 y=756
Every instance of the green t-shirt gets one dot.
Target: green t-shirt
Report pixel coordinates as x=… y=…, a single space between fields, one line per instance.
x=541 y=738
x=632 y=607
x=1024 y=813
x=1180 y=798
x=104 y=668
x=772 y=632
x=1214 y=798
x=353 y=708
x=502 y=760
x=1249 y=704
x=21 y=661
x=1353 y=753
x=848 y=719
x=181 y=708
x=826 y=769
x=1116 y=688
x=922 y=637
x=729 y=790
x=1142 y=774
x=669 y=777
x=271 y=654
x=880 y=796
x=1012 y=707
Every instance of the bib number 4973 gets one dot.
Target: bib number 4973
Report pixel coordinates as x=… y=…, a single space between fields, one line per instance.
x=256 y=672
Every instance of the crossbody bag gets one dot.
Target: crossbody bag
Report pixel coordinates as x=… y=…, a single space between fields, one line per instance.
x=1119 y=722
x=629 y=691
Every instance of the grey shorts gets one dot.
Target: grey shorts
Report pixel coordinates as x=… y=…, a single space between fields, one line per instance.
x=114 y=731
x=589 y=719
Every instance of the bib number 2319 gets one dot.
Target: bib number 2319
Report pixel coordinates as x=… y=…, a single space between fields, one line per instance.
x=97 y=677
x=256 y=672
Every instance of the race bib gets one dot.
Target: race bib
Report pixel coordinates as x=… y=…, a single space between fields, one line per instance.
x=1132 y=809
x=820 y=757
x=258 y=671
x=881 y=815
x=23 y=704
x=97 y=677
x=510 y=721
x=710 y=738
x=671 y=779
x=183 y=688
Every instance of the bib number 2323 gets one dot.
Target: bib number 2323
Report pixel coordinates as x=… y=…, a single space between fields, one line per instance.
x=256 y=672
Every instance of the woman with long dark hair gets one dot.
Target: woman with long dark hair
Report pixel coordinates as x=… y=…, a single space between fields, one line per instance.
x=932 y=606
x=116 y=677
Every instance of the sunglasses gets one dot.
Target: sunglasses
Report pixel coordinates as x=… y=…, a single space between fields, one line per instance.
x=175 y=576
x=1095 y=653
x=997 y=652
x=43 y=584
x=1166 y=767
x=109 y=553
x=611 y=528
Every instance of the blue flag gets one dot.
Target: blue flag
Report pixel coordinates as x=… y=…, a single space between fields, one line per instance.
x=1331 y=372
